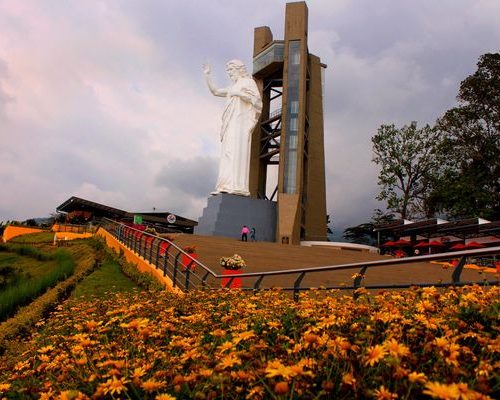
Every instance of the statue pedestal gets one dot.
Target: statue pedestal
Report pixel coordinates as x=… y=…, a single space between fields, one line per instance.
x=225 y=215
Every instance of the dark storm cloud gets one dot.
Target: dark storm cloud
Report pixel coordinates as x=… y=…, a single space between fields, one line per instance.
x=195 y=176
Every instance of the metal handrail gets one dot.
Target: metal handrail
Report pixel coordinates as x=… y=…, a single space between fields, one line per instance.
x=187 y=274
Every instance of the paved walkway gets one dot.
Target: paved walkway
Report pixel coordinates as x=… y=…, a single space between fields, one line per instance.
x=263 y=256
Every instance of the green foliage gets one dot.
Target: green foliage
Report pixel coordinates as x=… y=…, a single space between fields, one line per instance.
x=34 y=238
x=470 y=183
x=9 y=276
x=107 y=278
x=32 y=252
x=453 y=168
x=142 y=279
x=27 y=289
x=23 y=321
x=407 y=160
x=361 y=234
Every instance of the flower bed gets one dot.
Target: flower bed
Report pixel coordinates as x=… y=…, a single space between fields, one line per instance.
x=419 y=343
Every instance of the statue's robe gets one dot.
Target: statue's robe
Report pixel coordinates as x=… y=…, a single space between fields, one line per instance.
x=238 y=121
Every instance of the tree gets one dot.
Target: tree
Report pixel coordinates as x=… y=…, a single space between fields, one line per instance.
x=31 y=222
x=469 y=184
x=328 y=222
x=407 y=159
x=364 y=233
x=361 y=234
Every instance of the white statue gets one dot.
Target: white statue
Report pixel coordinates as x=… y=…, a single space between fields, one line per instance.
x=243 y=108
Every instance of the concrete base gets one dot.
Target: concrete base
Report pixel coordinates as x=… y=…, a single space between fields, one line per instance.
x=225 y=215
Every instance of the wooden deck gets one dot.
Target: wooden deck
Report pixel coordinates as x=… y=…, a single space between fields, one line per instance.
x=264 y=256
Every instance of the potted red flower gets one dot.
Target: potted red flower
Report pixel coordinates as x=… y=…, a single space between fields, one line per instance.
x=187 y=258
x=232 y=266
x=165 y=245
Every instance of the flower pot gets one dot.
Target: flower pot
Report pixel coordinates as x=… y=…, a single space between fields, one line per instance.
x=236 y=283
x=164 y=248
x=185 y=260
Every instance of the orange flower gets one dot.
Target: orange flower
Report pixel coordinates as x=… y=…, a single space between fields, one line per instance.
x=151 y=385
x=396 y=349
x=374 y=355
x=383 y=394
x=348 y=379
x=417 y=377
x=46 y=349
x=165 y=396
x=4 y=387
x=442 y=391
x=114 y=385
x=229 y=361
x=138 y=372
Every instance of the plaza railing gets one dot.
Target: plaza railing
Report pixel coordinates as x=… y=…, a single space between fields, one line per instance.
x=188 y=273
x=74 y=228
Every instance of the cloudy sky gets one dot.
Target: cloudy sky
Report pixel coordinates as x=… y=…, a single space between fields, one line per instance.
x=105 y=99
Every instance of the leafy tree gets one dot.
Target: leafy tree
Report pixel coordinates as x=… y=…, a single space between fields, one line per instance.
x=328 y=222
x=407 y=159
x=361 y=234
x=469 y=184
x=31 y=222
x=365 y=234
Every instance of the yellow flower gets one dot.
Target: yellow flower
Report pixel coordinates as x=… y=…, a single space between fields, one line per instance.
x=348 y=379
x=205 y=372
x=138 y=323
x=164 y=396
x=442 y=391
x=417 y=377
x=442 y=343
x=426 y=305
x=114 y=385
x=151 y=385
x=276 y=368
x=229 y=361
x=72 y=395
x=375 y=354
x=218 y=333
x=453 y=355
x=225 y=346
x=274 y=325
x=246 y=335
x=383 y=394
x=45 y=349
x=396 y=349
x=139 y=372
x=4 y=387
x=44 y=358
x=257 y=392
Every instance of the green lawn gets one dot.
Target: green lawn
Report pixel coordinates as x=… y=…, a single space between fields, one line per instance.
x=108 y=278
x=41 y=237
x=28 y=265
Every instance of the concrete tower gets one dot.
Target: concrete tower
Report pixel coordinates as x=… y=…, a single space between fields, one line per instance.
x=290 y=133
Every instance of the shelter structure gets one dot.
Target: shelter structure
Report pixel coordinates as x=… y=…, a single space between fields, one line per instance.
x=88 y=210
x=290 y=134
x=449 y=233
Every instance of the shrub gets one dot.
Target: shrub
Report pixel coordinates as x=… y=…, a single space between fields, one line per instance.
x=22 y=322
x=26 y=290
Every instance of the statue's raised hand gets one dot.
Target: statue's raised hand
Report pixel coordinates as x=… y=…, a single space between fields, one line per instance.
x=206 y=69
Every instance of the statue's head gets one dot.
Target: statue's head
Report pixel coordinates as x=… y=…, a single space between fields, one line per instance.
x=236 y=69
